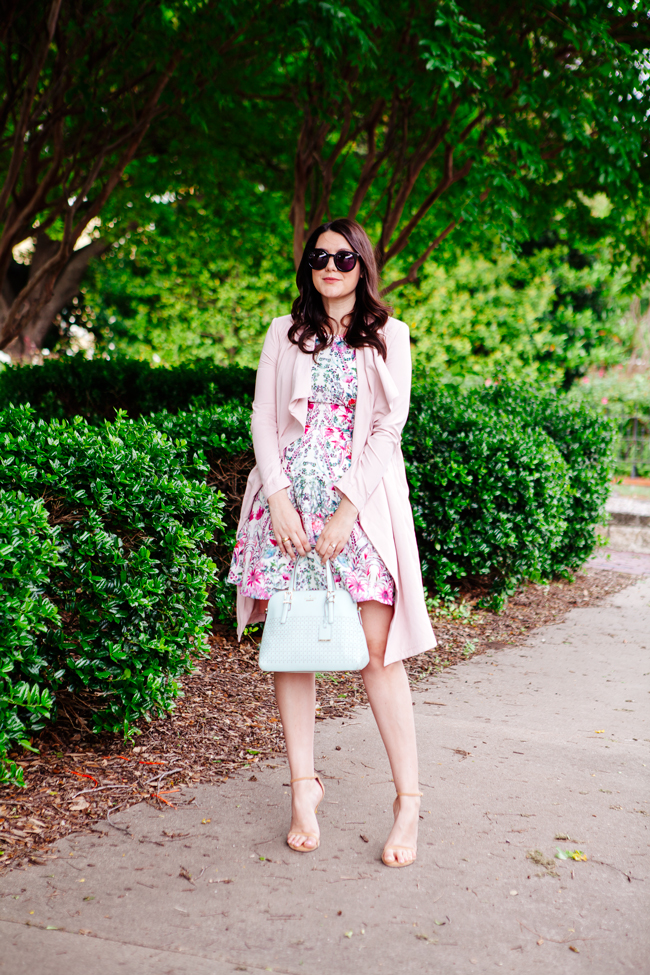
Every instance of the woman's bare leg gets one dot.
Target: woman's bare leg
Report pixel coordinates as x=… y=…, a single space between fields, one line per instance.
x=296 y=697
x=390 y=699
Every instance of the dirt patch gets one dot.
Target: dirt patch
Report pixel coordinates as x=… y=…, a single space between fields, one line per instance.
x=548 y=865
x=228 y=722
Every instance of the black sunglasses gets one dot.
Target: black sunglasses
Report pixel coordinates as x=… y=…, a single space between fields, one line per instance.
x=343 y=260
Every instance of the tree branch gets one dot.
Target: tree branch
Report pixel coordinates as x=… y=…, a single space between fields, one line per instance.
x=28 y=98
x=416 y=164
x=312 y=136
x=24 y=305
x=411 y=276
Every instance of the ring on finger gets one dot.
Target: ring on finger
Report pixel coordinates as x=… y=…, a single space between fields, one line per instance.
x=286 y=539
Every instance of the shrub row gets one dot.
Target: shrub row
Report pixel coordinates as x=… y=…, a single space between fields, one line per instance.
x=28 y=551
x=97 y=389
x=104 y=533
x=505 y=485
x=117 y=537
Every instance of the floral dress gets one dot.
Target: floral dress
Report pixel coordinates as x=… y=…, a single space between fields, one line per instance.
x=314 y=463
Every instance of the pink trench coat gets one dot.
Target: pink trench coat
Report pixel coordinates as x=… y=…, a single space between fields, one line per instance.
x=376 y=480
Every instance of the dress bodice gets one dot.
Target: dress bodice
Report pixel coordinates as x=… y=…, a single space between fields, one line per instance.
x=334 y=374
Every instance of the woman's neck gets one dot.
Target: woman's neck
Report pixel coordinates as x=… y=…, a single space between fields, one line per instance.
x=337 y=308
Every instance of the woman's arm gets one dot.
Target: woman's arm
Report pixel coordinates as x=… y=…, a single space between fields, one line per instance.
x=359 y=482
x=264 y=428
x=264 y=421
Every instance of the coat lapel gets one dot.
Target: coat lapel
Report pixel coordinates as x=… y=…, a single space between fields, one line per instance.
x=363 y=412
x=300 y=385
x=373 y=378
x=386 y=381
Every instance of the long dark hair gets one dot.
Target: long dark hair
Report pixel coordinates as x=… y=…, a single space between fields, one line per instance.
x=369 y=315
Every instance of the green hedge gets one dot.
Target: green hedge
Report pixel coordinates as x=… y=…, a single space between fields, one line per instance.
x=133 y=515
x=98 y=388
x=221 y=435
x=28 y=550
x=587 y=441
x=505 y=485
x=124 y=530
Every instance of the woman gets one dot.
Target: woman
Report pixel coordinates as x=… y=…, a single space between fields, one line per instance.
x=331 y=399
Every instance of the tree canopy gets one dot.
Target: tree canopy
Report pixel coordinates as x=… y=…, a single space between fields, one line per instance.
x=83 y=83
x=437 y=105
x=427 y=121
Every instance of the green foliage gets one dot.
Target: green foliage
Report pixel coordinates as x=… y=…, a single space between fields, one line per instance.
x=511 y=110
x=97 y=388
x=622 y=395
x=217 y=432
x=586 y=441
x=134 y=513
x=109 y=593
x=487 y=492
x=111 y=69
x=617 y=393
x=505 y=484
x=544 y=316
x=189 y=282
x=28 y=550
x=449 y=609
x=201 y=253
x=222 y=435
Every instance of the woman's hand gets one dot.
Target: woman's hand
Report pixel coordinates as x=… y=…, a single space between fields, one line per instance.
x=334 y=536
x=287 y=526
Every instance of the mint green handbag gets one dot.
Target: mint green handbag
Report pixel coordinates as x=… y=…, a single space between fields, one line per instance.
x=312 y=630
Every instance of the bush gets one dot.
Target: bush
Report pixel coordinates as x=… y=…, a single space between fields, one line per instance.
x=97 y=389
x=117 y=537
x=587 y=442
x=506 y=484
x=28 y=549
x=487 y=492
x=625 y=399
x=222 y=435
x=133 y=512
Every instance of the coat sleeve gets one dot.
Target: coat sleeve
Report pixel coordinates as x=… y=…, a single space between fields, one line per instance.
x=389 y=417
x=264 y=421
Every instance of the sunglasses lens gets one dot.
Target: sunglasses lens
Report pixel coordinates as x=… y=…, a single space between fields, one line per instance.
x=345 y=261
x=317 y=260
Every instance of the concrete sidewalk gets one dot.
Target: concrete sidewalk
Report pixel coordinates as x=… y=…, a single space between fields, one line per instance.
x=546 y=739
x=628 y=527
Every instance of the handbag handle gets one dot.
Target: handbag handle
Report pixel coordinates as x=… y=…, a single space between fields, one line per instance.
x=329 y=575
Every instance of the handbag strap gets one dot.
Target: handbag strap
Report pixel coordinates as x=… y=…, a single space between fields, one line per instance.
x=329 y=575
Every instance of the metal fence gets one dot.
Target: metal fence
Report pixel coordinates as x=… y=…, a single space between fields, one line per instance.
x=633 y=453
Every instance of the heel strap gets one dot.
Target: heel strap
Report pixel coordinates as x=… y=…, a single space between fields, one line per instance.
x=410 y=794
x=302 y=778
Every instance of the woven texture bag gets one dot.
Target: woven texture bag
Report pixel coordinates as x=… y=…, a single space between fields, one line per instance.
x=312 y=630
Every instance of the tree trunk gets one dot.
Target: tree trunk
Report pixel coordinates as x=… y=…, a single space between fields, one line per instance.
x=30 y=341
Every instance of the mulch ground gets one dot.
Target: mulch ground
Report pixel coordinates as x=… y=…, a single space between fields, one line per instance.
x=227 y=721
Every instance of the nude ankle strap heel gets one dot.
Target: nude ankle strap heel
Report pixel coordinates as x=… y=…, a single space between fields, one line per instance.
x=395 y=862
x=308 y=849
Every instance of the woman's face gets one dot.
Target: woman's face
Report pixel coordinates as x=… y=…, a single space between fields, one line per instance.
x=331 y=282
